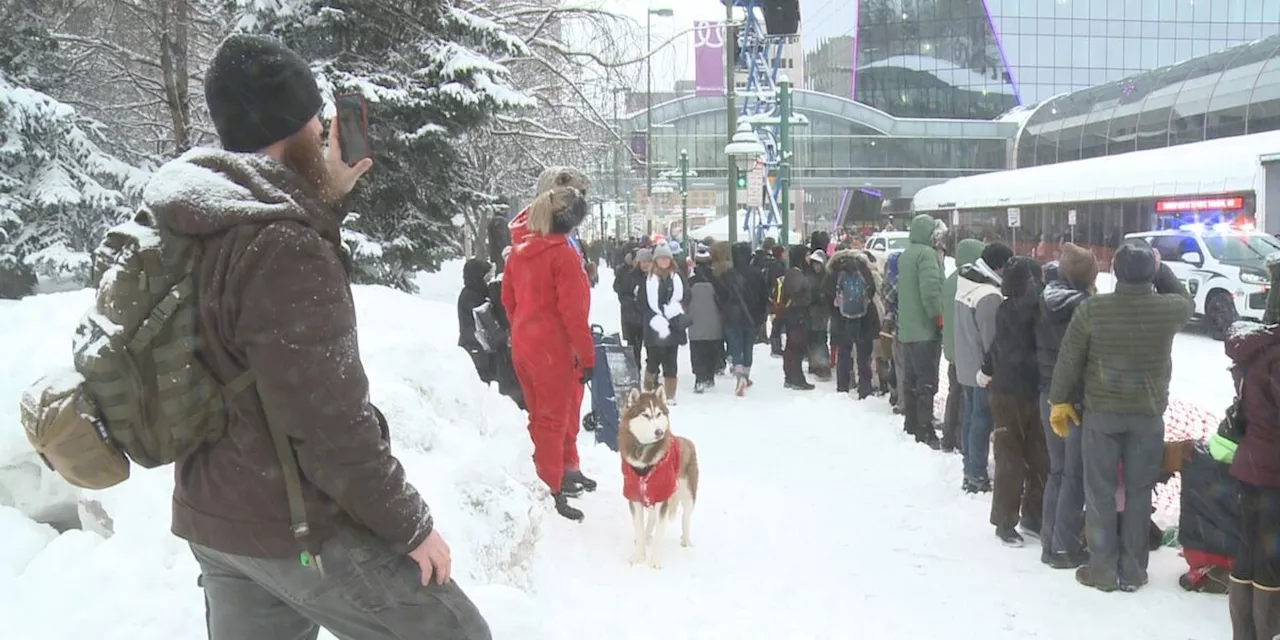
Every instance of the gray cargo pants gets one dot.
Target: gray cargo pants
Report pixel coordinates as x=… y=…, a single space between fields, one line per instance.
x=1137 y=442
x=367 y=592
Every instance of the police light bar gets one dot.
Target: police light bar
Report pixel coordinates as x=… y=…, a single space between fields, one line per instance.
x=1200 y=204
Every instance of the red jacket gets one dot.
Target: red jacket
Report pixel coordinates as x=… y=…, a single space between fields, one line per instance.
x=547 y=298
x=656 y=486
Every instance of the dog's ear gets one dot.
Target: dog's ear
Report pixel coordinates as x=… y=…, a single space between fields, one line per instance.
x=661 y=394
x=632 y=397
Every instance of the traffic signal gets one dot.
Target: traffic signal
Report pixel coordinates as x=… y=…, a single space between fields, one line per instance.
x=742 y=179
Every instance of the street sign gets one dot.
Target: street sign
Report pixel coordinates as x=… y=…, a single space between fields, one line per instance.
x=1071 y=217
x=755 y=185
x=1015 y=217
x=955 y=217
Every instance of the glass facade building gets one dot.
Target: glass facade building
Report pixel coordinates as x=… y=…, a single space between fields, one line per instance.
x=1231 y=92
x=979 y=58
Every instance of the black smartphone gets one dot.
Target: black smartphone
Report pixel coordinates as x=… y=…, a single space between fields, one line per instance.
x=353 y=128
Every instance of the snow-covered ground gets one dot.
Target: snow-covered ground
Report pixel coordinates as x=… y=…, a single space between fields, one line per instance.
x=816 y=517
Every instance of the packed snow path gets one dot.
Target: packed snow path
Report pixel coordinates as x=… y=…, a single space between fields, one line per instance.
x=818 y=518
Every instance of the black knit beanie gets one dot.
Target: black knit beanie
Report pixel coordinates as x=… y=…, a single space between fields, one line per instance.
x=259 y=92
x=1134 y=263
x=996 y=255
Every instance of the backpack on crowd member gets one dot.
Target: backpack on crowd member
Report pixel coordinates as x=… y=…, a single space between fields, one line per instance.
x=490 y=333
x=140 y=392
x=851 y=295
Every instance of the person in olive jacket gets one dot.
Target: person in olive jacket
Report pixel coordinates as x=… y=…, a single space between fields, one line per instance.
x=919 y=311
x=1119 y=346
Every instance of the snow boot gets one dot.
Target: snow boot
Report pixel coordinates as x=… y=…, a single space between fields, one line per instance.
x=669 y=386
x=700 y=387
x=799 y=385
x=1009 y=536
x=1085 y=577
x=577 y=479
x=1067 y=560
x=650 y=381
x=563 y=508
x=1029 y=528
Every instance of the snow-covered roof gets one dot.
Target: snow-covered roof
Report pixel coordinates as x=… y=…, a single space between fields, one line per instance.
x=719 y=229
x=1226 y=165
x=945 y=71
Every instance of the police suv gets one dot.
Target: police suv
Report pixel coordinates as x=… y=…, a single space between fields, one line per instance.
x=1224 y=267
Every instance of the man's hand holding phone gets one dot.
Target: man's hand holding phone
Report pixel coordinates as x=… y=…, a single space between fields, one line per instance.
x=343 y=177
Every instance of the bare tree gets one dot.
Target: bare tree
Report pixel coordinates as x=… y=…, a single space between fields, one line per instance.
x=131 y=64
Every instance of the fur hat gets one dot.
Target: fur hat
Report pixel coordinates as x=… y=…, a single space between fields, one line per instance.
x=561 y=177
x=1134 y=263
x=1077 y=266
x=559 y=210
x=259 y=92
x=663 y=250
x=996 y=254
x=643 y=255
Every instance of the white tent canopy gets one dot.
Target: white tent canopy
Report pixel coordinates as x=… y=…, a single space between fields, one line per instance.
x=719 y=229
x=1226 y=165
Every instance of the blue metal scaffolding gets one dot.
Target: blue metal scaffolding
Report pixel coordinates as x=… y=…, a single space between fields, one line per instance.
x=760 y=55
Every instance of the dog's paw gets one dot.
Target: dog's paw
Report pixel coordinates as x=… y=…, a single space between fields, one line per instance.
x=655 y=564
x=686 y=542
x=637 y=559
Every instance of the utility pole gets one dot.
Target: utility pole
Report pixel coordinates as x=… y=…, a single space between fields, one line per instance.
x=648 y=114
x=617 y=186
x=731 y=112
x=784 y=152
x=684 y=199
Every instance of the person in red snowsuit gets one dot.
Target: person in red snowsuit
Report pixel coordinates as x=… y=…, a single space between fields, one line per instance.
x=547 y=298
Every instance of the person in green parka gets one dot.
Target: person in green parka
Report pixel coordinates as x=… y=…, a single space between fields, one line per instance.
x=919 y=327
x=967 y=252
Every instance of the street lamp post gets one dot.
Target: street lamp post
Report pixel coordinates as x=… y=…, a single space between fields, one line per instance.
x=731 y=111
x=684 y=198
x=744 y=147
x=648 y=111
x=784 y=153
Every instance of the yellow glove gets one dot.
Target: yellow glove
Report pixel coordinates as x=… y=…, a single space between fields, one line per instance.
x=1059 y=415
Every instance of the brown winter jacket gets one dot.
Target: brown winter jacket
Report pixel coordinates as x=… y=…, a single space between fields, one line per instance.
x=275 y=297
x=1254 y=350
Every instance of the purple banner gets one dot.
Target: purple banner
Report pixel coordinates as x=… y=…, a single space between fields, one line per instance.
x=708 y=58
x=639 y=150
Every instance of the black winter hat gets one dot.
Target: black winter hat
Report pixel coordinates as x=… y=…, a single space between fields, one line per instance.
x=259 y=92
x=1134 y=263
x=996 y=255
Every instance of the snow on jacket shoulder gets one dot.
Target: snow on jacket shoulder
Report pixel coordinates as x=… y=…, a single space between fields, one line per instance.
x=977 y=303
x=547 y=299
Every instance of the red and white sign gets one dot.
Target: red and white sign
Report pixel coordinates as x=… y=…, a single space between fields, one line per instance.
x=1200 y=204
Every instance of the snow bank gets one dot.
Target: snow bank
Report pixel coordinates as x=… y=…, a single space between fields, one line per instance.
x=462 y=445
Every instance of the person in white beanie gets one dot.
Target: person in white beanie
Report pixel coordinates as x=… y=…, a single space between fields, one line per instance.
x=666 y=296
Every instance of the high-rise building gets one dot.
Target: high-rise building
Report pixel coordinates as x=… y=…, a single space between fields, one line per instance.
x=980 y=58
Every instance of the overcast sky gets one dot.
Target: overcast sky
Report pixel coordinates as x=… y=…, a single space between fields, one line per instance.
x=675 y=60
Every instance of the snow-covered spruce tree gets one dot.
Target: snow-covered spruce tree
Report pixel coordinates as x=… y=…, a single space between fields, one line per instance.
x=425 y=69
x=58 y=189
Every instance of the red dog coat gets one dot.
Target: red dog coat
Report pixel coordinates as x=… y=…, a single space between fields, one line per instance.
x=658 y=484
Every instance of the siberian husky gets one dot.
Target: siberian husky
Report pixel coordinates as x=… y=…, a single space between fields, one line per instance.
x=659 y=472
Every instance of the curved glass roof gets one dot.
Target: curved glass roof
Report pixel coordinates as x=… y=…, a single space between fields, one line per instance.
x=1228 y=93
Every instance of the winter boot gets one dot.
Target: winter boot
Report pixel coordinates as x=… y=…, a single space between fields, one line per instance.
x=575 y=478
x=1009 y=536
x=1266 y=612
x=740 y=372
x=1085 y=577
x=650 y=381
x=700 y=387
x=1240 y=597
x=799 y=385
x=1029 y=527
x=669 y=385
x=563 y=508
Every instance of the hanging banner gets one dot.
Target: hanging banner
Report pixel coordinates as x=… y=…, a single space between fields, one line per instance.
x=708 y=58
x=755 y=185
x=639 y=150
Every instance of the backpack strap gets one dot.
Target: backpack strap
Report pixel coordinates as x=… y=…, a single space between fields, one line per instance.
x=289 y=465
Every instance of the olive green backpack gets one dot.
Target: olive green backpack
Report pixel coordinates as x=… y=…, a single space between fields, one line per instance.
x=145 y=394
